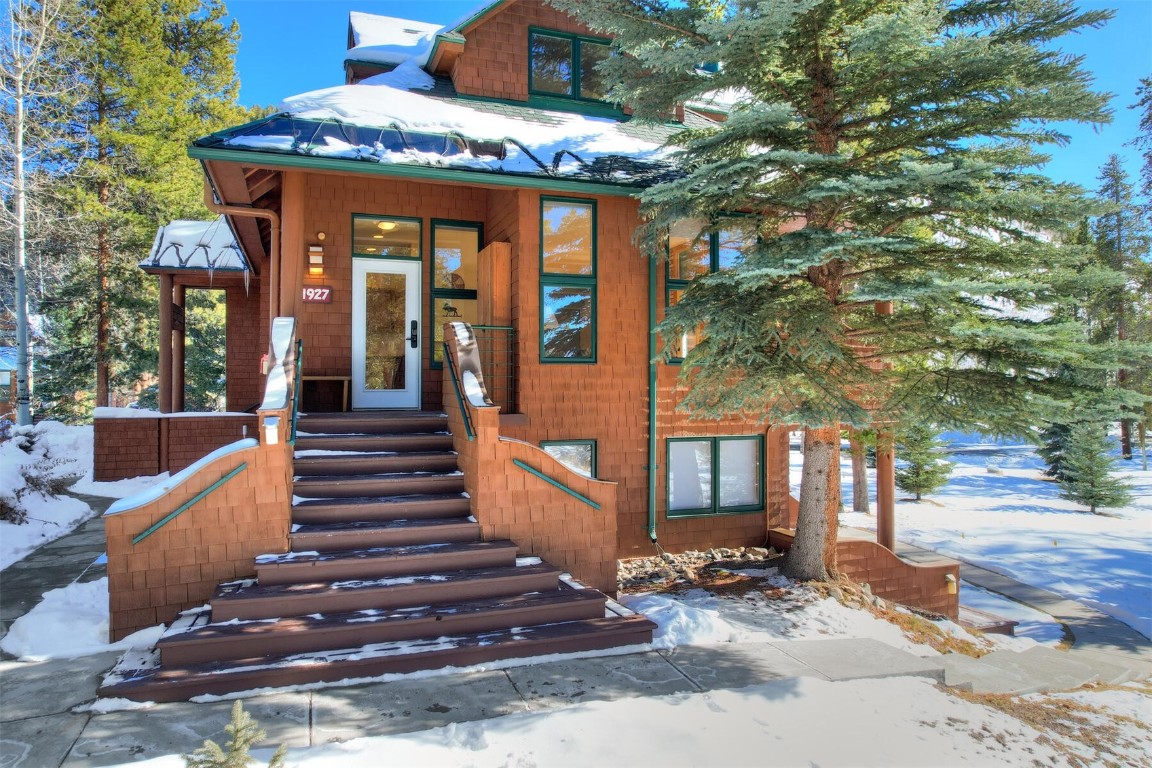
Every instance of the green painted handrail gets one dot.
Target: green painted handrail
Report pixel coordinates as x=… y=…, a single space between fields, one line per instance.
x=186 y=505
x=296 y=387
x=556 y=483
x=459 y=396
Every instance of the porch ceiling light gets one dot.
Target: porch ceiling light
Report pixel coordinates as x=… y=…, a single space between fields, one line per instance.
x=387 y=226
x=315 y=261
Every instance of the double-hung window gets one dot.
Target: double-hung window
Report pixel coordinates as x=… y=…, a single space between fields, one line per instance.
x=564 y=65
x=715 y=475
x=692 y=254
x=455 y=253
x=567 y=280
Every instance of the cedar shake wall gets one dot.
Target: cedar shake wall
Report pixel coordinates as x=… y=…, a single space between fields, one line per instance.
x=247 y=339
x=330 y=203
x=149 y=445
x=495 y=58
x=179 y=566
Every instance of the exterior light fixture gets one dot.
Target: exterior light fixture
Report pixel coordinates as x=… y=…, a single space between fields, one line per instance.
x=271 y=430
x=951 y=582
x=315 y=261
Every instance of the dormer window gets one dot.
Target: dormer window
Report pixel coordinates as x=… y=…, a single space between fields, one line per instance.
x=564 y=65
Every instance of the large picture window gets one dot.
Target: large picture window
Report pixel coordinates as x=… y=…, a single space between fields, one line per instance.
x=567 y=280
x=455 y=256
x=564 y=65
x=691 y=255
x=715 y=475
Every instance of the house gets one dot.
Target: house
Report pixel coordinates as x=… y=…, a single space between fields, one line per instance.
x=444 y=244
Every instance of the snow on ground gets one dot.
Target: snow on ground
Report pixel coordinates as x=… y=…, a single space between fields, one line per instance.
x=1012 y=520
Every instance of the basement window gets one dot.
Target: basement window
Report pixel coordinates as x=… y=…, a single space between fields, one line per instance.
x=715 y=475
x=578 y=455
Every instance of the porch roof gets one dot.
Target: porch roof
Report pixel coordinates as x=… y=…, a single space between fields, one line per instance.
x=407 y=118
x=207 y=246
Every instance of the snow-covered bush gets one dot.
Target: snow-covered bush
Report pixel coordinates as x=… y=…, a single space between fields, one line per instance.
x=28 y=467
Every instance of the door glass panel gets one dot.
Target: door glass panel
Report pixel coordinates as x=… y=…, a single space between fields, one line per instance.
x=384 y=330
x=739 y=473
x=690 y=474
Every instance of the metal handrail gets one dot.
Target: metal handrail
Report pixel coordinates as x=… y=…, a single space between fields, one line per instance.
x=459 y=395
x=556 y=483
x=186 y=505
x=299 y=369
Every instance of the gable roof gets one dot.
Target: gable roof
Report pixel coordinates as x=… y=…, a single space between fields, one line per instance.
x=408 y=118
x=195 y=245
x=387 y=40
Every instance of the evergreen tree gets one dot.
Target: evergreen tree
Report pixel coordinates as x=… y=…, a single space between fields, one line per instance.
x=157 y=74
x=1122 y=239
x=1143 y=139
x=921 y=469
x=244 y=734
x=1087 y=466
x=1054 y=438
x=881 y=152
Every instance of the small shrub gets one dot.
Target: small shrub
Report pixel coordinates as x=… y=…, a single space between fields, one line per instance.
x=244 y=733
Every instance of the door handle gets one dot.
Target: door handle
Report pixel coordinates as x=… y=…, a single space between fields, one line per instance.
x=414 y=339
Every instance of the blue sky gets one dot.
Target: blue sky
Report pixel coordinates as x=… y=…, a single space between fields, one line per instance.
x=292 y=46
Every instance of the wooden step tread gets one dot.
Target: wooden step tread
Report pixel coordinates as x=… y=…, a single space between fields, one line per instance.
x=202 y=642
x=139 y=678
x=402 y=506
x=377 y=485
x=248 y=599
x=408 y=552
x=432 y=523
x=363 y=534
x=376 y=476
x=352 y=442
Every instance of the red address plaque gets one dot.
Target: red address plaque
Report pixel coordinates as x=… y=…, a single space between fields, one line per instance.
x=317 y=294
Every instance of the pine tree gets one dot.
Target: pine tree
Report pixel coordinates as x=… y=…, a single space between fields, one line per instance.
x=1087 y=467
x=157 y=74
x=244 y=734
x=881 y=152
x=921 y=469
x=1054 y=438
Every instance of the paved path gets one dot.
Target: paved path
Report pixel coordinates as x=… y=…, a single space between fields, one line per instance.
x=44 y=721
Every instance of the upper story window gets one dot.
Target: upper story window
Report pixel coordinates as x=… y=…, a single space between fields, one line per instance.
x=567 y=280
x=692 y=254
x=562 y=64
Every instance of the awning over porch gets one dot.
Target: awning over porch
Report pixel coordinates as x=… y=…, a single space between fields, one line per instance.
x=195 y=245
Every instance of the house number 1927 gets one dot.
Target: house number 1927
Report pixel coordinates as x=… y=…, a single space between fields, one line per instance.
x=318 y=294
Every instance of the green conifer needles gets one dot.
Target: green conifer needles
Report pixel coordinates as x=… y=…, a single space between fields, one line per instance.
x=244 y=734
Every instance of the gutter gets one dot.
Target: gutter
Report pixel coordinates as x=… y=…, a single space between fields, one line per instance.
x=652 y=466
x=273 y=218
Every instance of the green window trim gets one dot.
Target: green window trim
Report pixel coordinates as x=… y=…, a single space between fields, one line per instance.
x=574 y=64
x=436 y=294
x=561 y=280
x=400 y=219
x=714 y=508
x=591 y=444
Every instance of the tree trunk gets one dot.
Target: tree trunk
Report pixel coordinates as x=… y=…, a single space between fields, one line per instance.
x=101 y=352
x=813 y=553
x=859 y=473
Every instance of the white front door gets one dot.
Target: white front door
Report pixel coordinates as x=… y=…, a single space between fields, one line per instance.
x=386 y=333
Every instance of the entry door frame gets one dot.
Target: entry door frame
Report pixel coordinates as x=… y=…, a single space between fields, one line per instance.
x=410 y=396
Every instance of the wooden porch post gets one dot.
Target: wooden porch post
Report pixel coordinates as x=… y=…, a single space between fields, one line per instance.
x=178 y=349
x=164 y=386
x=885 y=474
x=293 y=244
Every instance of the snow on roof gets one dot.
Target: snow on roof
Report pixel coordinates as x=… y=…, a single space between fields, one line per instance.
x=388 y=40
x=396 y=118
x=206 y=245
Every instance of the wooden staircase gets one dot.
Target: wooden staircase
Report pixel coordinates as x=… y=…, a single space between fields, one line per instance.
x=386 y=573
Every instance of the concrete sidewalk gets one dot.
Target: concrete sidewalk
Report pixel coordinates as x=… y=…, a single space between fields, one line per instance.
x=45 y=721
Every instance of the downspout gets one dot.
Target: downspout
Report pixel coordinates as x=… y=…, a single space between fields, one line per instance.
x=652 y=467
x=274 y=249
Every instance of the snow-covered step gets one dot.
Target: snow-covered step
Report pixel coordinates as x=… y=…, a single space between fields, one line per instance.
x=374 y=463
x=249 y=600
x=372 y=423
x=316 y=632
x=380 y=485
x=405 y=507
x=329 y=537
x=415 y=441
x=379 y=562
x=139 y=677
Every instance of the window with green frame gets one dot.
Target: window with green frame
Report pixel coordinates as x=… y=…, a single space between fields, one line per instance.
x=567 y=280
x=564 y=65
x=715 y=475
x=385 y=237
x=578 y=455
x=455 y=255
x=692 y=254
